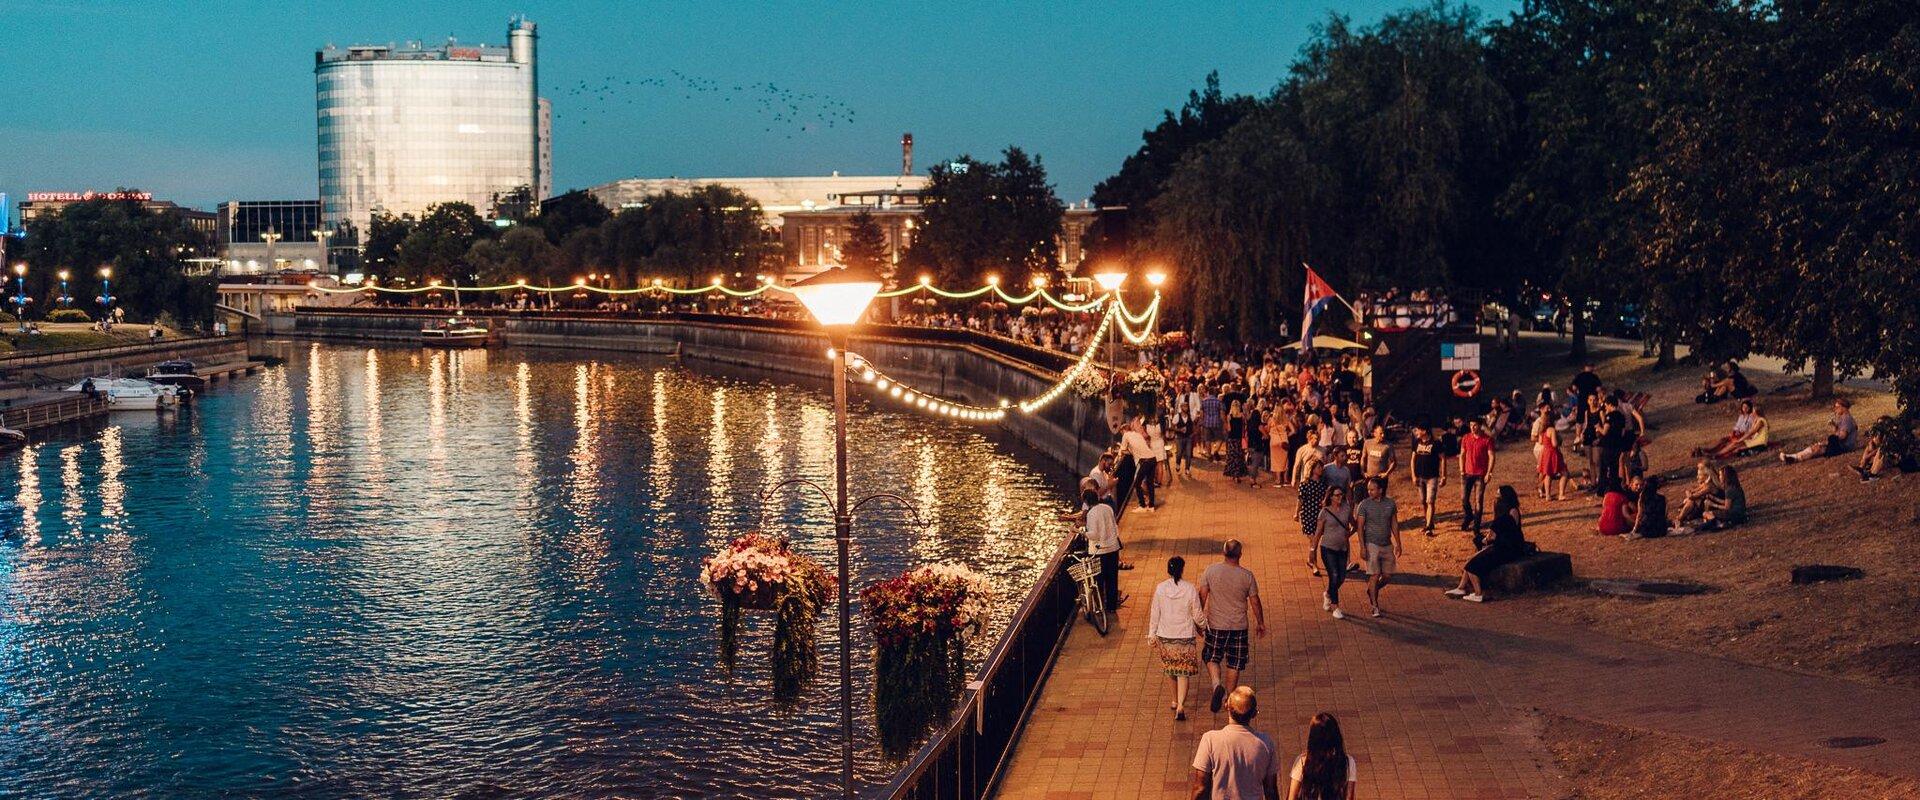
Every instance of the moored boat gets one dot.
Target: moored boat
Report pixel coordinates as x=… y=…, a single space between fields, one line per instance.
x=178 y=372
x=130 y=394
x=457 y=331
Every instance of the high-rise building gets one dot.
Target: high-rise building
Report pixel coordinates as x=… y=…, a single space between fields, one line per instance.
x=261 y=236
x=404 y=127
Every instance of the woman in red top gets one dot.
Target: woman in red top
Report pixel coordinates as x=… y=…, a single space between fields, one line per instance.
x=1616 y=512
x=1553 y=464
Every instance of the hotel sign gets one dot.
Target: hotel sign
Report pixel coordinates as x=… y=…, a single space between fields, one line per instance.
x=80 y=197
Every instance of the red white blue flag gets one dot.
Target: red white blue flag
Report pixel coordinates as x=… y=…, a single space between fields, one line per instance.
x=1319 y=296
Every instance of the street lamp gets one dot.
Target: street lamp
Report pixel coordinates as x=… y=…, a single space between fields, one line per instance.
x=1156 y=278
x=320 y=235
x=106 y=298
x=1110 y=280
x=20 y=298
x=271 y=236
x=837 y=298
x=66 y=300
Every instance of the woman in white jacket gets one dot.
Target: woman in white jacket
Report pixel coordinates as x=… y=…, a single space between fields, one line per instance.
x=1173 y=627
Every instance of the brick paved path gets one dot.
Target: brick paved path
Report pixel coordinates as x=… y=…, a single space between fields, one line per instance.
x=1436 y=699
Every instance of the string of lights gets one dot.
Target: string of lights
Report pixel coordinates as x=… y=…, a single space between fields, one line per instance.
x=658 y=285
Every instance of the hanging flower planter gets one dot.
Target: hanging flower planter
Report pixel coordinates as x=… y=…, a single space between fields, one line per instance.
x=757 y=572
x=920 y=622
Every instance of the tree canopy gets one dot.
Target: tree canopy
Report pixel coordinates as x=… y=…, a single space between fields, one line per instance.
x=145 y=249
x=989 y=218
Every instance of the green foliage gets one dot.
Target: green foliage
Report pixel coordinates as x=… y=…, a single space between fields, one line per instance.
x=685 y=238
x=576 y=210
x=984 y=218
x=915 y=681
x=144 y=248
x=67 y=315
x=866 y=247
x=520 y=253
x=1207 y=116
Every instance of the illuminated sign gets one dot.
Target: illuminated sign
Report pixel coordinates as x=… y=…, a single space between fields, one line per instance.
x=79 y=197
x=463 y=53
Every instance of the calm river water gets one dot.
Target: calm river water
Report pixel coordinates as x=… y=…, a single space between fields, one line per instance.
x=393 y=572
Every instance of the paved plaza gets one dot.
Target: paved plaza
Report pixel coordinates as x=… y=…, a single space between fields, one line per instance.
x=1440 y=699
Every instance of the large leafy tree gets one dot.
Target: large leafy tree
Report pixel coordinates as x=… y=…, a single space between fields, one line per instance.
x=569 y=212
x=522 y=253
x=985 y=218
x=1207 y=114
x=437 y=245
x=686 y=238
x=144 y=248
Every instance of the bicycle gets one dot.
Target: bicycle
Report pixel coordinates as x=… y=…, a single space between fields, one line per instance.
x=1085 y=571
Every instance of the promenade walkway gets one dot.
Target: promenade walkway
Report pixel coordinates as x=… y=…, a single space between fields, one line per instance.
x=1440 y=699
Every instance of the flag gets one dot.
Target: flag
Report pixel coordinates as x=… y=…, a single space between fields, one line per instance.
x=1319 y=296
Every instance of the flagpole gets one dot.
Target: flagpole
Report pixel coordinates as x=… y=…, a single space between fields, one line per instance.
x=1336 y=295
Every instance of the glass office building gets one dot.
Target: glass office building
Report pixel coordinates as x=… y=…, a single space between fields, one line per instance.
x=402 y=128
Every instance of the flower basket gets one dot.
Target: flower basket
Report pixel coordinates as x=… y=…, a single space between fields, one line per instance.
x=757 y=572
x=920 y=621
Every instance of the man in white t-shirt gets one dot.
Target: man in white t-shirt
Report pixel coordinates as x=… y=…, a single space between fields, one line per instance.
x=1236 y=762
x=1103 y=542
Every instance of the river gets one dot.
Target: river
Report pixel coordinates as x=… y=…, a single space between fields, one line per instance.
x=396 y=572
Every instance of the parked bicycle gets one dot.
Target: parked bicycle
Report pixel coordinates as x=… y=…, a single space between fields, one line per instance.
x=1085 y=571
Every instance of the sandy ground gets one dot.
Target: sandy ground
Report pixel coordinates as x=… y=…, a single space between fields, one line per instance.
x=1604 y=762
x=1816 y=512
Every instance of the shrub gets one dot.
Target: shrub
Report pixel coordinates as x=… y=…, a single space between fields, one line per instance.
x=68 y=315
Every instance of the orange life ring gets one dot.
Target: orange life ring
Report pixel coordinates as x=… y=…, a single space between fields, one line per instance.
x=1466 y=383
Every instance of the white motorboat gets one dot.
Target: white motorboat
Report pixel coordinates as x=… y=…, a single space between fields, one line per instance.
x=456 y=331
x=130 y=394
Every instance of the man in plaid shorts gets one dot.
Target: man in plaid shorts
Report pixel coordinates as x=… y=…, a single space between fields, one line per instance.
x=1230 y=596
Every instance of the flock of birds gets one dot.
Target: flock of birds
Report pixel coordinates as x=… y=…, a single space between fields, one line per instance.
x=780 y=109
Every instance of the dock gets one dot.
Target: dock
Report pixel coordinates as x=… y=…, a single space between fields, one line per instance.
x=47 y=409
x=230 y=370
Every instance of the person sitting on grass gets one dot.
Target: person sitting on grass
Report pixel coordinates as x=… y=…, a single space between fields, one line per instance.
x=1730 y=507
x=1749 y=433
x=1505 y=547
x=1706 y=486
x=1843 y=435
x=1616 y=512
x=1650 y=511
x=1878 y=457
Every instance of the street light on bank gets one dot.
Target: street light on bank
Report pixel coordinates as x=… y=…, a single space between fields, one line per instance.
x=1110 y=280
x=837 y=299
x=106 y=297
x=20 y=298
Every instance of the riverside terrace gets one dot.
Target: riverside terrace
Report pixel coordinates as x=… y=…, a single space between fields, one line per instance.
x=1440 y=699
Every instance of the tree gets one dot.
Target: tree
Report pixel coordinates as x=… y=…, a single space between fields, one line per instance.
x=438 y=243
x=686 y=238
x=866 y=247
x=385 y=232
x=984 y=218
x=522 y=253
x=569 y=212
x=144 y=248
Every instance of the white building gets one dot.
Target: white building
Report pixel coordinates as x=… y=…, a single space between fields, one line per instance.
x=402 y=128
x=776 y=196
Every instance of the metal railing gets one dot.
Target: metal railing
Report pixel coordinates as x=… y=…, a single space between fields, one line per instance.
x=19 y=356
x=63 y=410
x=964 y=759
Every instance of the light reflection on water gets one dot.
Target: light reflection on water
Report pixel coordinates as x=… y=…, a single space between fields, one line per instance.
x=379 y=572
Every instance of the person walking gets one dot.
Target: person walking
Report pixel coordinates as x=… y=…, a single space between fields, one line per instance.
x=1377 y=518
x=1476 y=463
x=1236 y=762
x=1377 y=459
x=1332 y=530
x=1310 y=480
x=1139 y=447
x=1230 y=596
x=1236 y=426
x=1211 y=419
x=1324 y=771
x=1429 y=473
x=1182 y=428
x=1172 y=626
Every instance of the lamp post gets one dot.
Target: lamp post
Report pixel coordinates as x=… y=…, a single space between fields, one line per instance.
x=66 y=299
x=106 y=298
x=271 y=236
x=326 y=256
x=1110 y=280
x=20 y=298
x=837 y=298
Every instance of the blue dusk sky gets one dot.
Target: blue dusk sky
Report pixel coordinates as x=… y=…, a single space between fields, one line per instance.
x=209 y=101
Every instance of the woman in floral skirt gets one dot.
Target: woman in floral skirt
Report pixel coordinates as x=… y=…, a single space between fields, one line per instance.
x=1312 y=482
x=1172 y=628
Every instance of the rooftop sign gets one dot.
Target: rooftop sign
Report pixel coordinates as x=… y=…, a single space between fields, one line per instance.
x=79 y=197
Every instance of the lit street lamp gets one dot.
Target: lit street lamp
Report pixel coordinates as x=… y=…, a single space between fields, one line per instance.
x=20 y=298
x=837 y=298
x=1110 y=280
x=106 y=298
x=66 y=299
x=271 y=236
x=320 y=235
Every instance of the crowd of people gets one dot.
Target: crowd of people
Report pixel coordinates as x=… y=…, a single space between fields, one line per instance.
x=1268 y=420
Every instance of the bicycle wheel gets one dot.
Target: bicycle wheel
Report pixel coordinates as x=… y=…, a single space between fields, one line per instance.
x=1097 y=611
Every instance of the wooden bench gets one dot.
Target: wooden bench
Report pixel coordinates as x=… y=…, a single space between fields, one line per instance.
x=1537 y=571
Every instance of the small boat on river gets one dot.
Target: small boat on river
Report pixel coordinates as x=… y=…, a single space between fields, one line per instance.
x=178 y=372
x=130 y=394
x=456 y=331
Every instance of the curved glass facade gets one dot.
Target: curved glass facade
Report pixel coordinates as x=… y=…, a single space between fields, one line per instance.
x=400 y=130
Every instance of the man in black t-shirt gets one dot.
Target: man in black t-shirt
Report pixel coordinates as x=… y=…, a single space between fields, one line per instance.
x=1586 y=383
x=1616 y=438
x=1429 y=472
